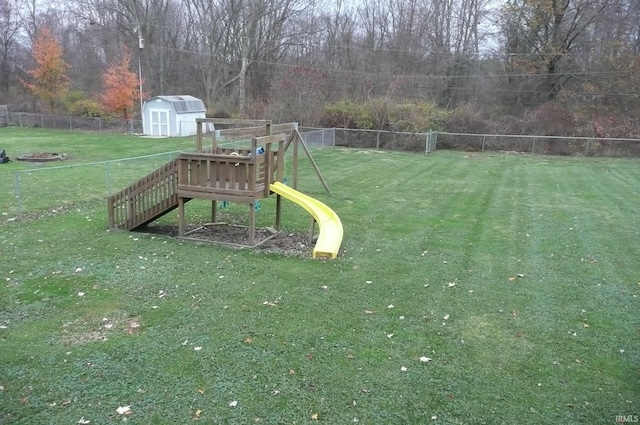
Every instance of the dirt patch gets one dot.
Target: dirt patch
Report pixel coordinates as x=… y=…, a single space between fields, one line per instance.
x=284 y=243
x=42 y=157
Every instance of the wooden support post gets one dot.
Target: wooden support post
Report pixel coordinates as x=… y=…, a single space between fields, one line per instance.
x=311 y=230
x=252 y=224
x=313 y=163
x=214 y=211
x=295 y=160
x=198 y=136
x=268 y=172
x=181 y=218
x=280 y=161
x=278 y=212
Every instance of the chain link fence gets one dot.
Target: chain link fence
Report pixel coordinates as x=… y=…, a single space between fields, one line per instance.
x=370 y=139
x=541 y=145
x=51 y=189
x=538 y=145
x=61 y=122
x=41 y=189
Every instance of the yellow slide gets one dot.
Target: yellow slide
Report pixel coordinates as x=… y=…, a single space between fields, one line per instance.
x=330 y=237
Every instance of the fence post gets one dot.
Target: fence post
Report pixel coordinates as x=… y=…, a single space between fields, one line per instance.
x=533 y=146
x=108 y=177
x=484 y=138
x=18 y=195
x=70 y=126
x=41 y=121
x=377 y=140
x=20 y=119
x=586 y=153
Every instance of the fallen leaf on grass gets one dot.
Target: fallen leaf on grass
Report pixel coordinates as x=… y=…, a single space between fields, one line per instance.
x=234 y=403
x=403 y=369
x=83 y=421
x=314 y=416
x=197 y=414
x=124 y=410
x=201 y=391
x=424 y=359
x=370 y=312
x=248 y=340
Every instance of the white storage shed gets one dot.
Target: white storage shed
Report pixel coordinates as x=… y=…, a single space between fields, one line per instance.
x=173 y=116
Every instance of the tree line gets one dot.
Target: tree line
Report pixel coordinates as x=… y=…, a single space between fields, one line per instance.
x=558 y=63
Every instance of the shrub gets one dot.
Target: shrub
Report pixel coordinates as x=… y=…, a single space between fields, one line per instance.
x=467 y=119
x=347 y=114
x=384 y=115
x=87 y=108
x=417 y=117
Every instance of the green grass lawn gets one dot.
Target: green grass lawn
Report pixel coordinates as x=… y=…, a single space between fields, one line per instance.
x=517 y=276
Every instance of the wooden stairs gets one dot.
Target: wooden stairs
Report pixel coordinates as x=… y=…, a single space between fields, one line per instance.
x=145 y=200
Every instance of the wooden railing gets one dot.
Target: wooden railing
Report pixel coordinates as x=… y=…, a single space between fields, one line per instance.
x=145 y=200
x=222 y=176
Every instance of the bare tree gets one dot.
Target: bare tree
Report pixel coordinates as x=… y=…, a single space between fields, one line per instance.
x=540 y=37
x=9 y=45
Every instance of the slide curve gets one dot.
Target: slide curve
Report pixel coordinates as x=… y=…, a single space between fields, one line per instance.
x=330 y=237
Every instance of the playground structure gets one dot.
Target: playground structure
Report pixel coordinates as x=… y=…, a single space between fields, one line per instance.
x=227 y=174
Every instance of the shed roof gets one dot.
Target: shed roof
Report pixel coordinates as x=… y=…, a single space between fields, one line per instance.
x=184 y=103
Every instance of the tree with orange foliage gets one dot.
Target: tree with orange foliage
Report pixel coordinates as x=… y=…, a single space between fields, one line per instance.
x=120 y=86
x=50 y=81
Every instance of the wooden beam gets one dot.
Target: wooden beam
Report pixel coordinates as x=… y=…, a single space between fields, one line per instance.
x=181 y=218
x=198 y=136
x=271 y=138
x=239 y=133
x=252 y=224
x=233 y=121
x=313 y=163
x=278 y=211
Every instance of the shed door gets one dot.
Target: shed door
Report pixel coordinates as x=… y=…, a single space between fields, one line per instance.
x=159 y=122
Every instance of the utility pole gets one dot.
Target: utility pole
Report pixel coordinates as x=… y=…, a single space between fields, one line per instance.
x=140 y=47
